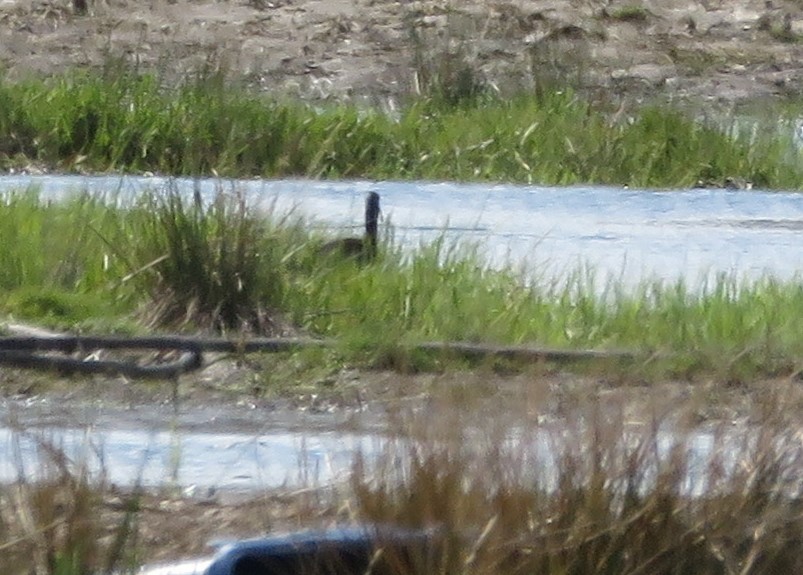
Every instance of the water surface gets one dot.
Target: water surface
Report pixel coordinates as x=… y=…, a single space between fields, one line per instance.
x=129 y=450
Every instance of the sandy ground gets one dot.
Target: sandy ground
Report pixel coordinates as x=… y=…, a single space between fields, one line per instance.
x=379 y=50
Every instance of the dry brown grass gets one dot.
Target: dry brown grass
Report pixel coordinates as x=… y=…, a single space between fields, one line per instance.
x=597 y=498
x=58 y=523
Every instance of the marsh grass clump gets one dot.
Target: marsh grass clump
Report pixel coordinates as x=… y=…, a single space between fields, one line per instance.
x=449 y=78
x=593 y=498
x=445 y=72
x=781 y=31
x=215 y=263
x=207 y=262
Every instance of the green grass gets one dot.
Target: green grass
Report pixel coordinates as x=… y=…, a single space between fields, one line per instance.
x=630 y=13
x=52 y=244
x=62 y=262
x=123 y=121
x=171 y=263
x=219 y=265
x=730 y=327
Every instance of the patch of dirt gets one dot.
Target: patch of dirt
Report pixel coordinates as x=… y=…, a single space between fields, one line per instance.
x=381 y=50
x=269 y=391
x=166 y=526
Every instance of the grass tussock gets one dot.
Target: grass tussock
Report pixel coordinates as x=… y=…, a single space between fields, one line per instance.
x=595 y=498
x=457 y=129
x=630 y=13
x=214 y=263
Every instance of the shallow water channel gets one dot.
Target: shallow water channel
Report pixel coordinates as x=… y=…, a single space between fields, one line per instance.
x=200 y=464
x=235 y=454
x=630 y=235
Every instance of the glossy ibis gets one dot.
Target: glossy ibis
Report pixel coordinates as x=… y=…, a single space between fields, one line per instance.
x=364 y=248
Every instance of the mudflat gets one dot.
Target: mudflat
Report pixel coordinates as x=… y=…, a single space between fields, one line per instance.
x=379 y=51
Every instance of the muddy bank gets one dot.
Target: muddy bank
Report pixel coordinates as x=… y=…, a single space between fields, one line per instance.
x=380 y=51
x=266 y=393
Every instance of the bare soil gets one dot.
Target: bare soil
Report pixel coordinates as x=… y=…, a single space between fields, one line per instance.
x=380 y=51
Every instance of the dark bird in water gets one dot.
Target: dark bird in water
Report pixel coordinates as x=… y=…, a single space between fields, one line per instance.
x=363 y=248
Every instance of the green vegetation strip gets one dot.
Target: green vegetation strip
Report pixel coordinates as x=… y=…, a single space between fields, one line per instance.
x=160 y=261
x=123 y=121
